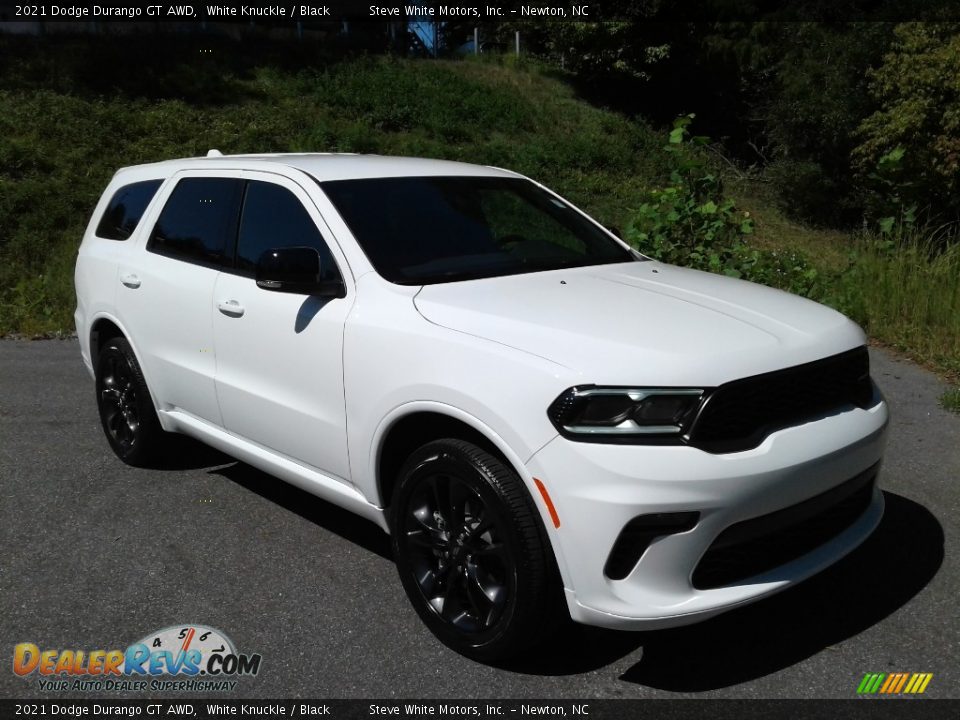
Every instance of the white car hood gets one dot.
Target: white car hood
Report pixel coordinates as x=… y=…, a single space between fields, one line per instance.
x=643 y=322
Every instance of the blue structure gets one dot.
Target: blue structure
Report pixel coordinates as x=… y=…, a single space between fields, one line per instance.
x=425 y=35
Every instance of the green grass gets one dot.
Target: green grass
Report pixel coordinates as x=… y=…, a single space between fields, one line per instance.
x=951 y=400
x=907 y=294
x=68 y=120
x=903 y=290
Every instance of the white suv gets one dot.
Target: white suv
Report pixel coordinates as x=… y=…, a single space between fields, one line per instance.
x=546 y=422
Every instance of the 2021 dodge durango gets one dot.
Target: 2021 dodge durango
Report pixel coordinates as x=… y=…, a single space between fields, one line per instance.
x=545 y=421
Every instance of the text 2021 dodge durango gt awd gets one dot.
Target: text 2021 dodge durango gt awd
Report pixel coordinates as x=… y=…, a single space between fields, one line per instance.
x=544 y=420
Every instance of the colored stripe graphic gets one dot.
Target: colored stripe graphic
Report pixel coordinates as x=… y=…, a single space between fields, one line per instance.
x=891 y=680
x=903 y=681
x=894 y=683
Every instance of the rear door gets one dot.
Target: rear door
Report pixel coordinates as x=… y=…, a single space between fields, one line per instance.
x=165 y=290
x=280 y=355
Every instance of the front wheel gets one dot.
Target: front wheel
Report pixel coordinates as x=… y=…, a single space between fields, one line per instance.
x=471 y=551
x=127 y=414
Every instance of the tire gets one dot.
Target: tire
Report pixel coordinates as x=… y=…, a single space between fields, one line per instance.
x=127 y=415
x=472 y=553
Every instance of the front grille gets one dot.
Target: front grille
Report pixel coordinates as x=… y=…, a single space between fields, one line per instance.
x=755 y=546
x=740 y=414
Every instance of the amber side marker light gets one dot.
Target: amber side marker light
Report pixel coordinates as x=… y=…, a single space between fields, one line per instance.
x=546 y=498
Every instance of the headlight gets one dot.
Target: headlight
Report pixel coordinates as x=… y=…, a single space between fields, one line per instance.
x=625 y=414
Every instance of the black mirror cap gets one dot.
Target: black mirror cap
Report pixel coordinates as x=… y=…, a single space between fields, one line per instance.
x=296 y=270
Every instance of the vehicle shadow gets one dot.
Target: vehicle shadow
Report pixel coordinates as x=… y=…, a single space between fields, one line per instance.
x=185 y=453
x=894 y=564
x=879 y=577
x=320 y=512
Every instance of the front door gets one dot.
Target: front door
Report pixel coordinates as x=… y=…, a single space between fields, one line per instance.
x=279 y=374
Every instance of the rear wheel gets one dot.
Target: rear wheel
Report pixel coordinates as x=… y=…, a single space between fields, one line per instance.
x=127 y=414
x=471 y=552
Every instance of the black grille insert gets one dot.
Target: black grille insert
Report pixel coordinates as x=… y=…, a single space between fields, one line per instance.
x=740 y=414
x=755 y=546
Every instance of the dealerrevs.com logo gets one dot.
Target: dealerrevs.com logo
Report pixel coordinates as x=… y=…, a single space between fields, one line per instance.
x=181 y=657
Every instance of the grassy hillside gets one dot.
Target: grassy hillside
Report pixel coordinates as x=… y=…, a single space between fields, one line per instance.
x=66 y=126
x=74 y=110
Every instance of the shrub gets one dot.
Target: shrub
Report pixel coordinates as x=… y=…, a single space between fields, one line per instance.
x=690 y=222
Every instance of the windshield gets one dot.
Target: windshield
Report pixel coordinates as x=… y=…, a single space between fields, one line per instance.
x=424 y=230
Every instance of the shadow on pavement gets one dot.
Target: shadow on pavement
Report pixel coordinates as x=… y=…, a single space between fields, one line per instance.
x=185 y=453
x=320 y=512
x=894 y=564
x=881 y=576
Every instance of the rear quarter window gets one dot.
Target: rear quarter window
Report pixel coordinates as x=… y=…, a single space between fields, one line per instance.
x=126 y=208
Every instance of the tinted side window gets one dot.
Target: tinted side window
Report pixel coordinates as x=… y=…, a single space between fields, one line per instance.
x=273 y=217
x=125 y=209
x=199 y=221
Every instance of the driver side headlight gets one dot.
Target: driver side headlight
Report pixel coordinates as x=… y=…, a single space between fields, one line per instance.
x=625 y=414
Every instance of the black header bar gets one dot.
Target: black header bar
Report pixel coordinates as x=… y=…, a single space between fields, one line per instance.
x=480 y=11
x=860 y=709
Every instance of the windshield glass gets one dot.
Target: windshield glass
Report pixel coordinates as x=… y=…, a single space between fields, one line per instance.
x=423 y=230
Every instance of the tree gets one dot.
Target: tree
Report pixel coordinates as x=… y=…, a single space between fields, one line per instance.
x=918 y=89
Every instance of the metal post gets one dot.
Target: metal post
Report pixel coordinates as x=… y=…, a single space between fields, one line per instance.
x=476 y=41
x=518 y=43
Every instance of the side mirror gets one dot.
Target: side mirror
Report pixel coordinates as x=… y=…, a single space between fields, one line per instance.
x=296 y=270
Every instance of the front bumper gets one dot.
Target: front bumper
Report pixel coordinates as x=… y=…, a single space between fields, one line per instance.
x=597 y=489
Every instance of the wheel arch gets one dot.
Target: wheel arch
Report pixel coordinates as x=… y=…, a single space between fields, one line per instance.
x=106 y=327
x=404 y=432
x=412 y=425
x=103 y=329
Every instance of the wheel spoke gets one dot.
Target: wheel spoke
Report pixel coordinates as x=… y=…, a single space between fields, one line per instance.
x=452 y=609
x=111 y=370
x=422 y=538
x=457 y=500
x=439 y=502
x=425 y=518
x=479 y=601
x=113 y=421
x=491 y=549
x=483 y=524
x=133 y=425
x=428 y=581
x=486 y=599
x=129 y=425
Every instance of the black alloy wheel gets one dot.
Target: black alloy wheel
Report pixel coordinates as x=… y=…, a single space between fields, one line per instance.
x=127 y=414
x=458 y=555
x=471 y=551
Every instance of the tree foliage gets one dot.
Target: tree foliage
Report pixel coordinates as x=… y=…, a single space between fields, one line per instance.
x=812 y=92
x=910 y=147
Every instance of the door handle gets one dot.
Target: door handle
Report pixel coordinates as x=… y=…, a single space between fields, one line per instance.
x=130 y=280
x=230 y=307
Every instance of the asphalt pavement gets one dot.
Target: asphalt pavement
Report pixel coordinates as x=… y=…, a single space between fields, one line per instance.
x=96 y=555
